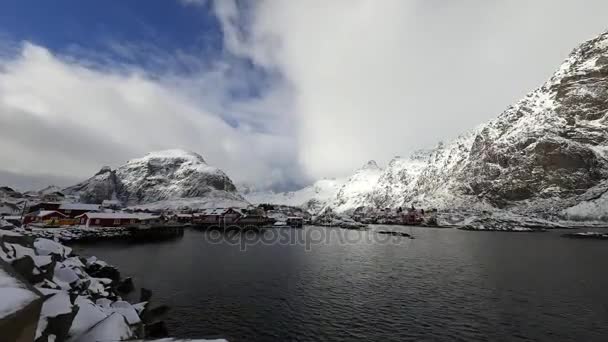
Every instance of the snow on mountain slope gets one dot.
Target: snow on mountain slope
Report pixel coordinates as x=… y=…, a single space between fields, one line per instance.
x=165 y=178
x=356 y=189
x=320 y=192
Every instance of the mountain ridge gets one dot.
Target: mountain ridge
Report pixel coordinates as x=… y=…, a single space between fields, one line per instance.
x=543 y=155
x=160 y=177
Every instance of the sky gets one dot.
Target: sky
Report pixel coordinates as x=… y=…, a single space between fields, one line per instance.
x=275 y=93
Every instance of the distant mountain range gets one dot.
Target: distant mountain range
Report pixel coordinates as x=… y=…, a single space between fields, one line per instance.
x=545 y=155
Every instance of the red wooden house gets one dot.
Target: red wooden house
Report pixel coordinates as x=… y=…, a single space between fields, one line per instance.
x=108 y=219
x=76 y=209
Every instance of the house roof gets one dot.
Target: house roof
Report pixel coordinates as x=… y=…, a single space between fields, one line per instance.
x=212 y=211
x=79 y=206
x=43 y=213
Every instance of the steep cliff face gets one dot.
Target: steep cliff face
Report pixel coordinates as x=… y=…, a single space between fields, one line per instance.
x=103 y=185
x=552 y=144
x=548 y=151
x=164 y=176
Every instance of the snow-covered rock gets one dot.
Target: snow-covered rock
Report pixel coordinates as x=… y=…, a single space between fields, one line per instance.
x=163 y=179
x=48 y=247
x=14 y=295
x=356 y=190
x=78 y=302
x=111 y=328
x=329 y=218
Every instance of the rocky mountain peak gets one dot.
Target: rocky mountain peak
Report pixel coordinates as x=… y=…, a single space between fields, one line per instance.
x=370 y=165
x=168 y=176
x=103 y=170
x=178 y=155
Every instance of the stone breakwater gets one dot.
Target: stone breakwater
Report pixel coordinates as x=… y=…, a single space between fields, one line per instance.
x=86 y=234
x=82 y=297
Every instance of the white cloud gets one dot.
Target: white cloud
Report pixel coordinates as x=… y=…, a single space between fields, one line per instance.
x=68 y=118
x=373 y=79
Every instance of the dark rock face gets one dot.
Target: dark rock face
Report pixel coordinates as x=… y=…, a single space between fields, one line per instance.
x=547 y=144
x=109 y=272
x=104 y=185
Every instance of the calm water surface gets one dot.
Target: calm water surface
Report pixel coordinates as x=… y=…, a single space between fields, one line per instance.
x=446 y=285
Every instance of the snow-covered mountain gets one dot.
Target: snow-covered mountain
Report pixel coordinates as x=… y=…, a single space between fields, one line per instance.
x=356 y=190
x=312 y=197
x=161 y=180
x=340 y=194
x=547 y=154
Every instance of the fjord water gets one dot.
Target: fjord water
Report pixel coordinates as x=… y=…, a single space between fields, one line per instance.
x=444 y=285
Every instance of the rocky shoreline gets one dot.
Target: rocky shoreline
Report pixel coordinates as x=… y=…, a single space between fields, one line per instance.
x=82 y=297
x=84 y=234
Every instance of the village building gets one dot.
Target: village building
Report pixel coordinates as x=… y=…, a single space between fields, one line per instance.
x=94 y=219
x=14 y=220
x=44 y=216
x=76 y=209
x=151 y=220
x=183 y=218
x=43 y=206
x=118 y=219
x=225 y=217
x=7 y=209
x=217 y=216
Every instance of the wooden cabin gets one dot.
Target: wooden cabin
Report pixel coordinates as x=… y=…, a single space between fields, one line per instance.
x=44 y=216
x=44 y=206
x=92 y=219
x=217 y=216
x=76 y=209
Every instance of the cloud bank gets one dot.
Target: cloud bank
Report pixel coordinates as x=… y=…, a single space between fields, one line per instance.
x=375 y=79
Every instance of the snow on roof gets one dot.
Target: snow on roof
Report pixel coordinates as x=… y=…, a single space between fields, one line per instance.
x=14 y=294
x=43 y=213
x=79 y=206
x=212 y=211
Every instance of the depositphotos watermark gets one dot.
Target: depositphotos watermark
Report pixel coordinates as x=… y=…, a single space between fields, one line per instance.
x=307 y=237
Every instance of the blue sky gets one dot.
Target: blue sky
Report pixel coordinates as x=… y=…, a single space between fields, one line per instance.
x=59 y=25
